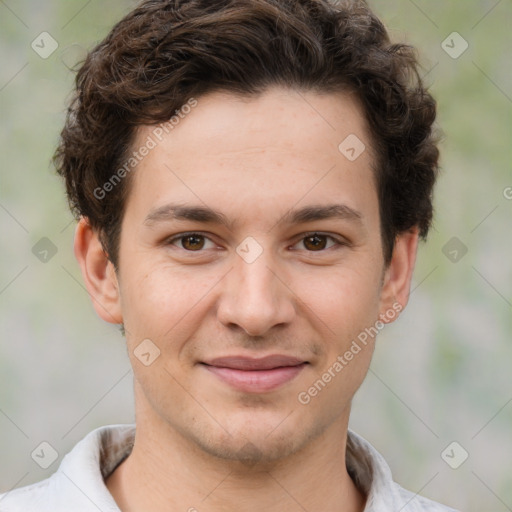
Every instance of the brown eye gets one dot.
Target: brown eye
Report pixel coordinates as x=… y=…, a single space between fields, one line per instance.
x=192 y=242
x=315 y=242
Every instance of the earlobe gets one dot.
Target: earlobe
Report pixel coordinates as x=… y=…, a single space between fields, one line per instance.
x=398 y=275
x=98 y=273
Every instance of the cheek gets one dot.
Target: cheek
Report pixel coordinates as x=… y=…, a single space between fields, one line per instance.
x=344 y=299
x=163 y=304
x=347 y=307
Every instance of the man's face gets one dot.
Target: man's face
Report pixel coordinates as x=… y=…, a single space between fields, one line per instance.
x=220 y=304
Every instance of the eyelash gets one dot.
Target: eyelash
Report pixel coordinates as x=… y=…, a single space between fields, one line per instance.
x=339 y=242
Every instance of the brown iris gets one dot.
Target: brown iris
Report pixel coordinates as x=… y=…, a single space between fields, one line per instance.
x=315 y=242
x=192 y=242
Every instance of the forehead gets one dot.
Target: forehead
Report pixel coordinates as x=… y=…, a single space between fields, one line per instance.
x=282 y=144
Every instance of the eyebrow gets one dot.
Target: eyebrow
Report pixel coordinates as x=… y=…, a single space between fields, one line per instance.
x=321 y=212
x=170 y=212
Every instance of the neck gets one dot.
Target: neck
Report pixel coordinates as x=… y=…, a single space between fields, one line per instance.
x=166 y=471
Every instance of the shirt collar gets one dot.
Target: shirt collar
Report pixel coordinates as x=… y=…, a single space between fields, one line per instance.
x=81 y=476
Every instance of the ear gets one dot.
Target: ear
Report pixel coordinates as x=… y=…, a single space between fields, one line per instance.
x=397 y=276
x=98 y=273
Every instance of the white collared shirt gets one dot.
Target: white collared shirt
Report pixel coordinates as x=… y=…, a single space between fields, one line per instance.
x=79 y=483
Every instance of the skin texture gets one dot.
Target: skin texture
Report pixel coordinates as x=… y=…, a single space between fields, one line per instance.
x=201 y=443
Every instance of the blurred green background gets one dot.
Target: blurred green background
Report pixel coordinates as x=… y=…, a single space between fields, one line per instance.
x=440 y=374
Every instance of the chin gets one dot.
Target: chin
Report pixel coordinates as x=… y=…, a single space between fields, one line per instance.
x=249 y=450
x=253 y=440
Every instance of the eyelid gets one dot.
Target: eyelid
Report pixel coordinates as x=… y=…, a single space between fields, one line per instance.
x=178 y=236
x=339 y=240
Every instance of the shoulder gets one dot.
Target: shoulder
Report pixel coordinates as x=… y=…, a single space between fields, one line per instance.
x=416 y=503
x=27 y=499
x=373 y=476
x=79 y=480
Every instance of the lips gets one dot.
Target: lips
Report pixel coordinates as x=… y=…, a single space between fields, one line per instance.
x=247 y=363
x=255 y=375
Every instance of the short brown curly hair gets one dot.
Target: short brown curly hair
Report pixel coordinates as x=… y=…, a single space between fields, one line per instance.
x=167 y=51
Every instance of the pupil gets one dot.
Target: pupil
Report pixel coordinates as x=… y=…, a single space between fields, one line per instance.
x=193 y=242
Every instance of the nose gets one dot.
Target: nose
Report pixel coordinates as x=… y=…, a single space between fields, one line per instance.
x=255 y=297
